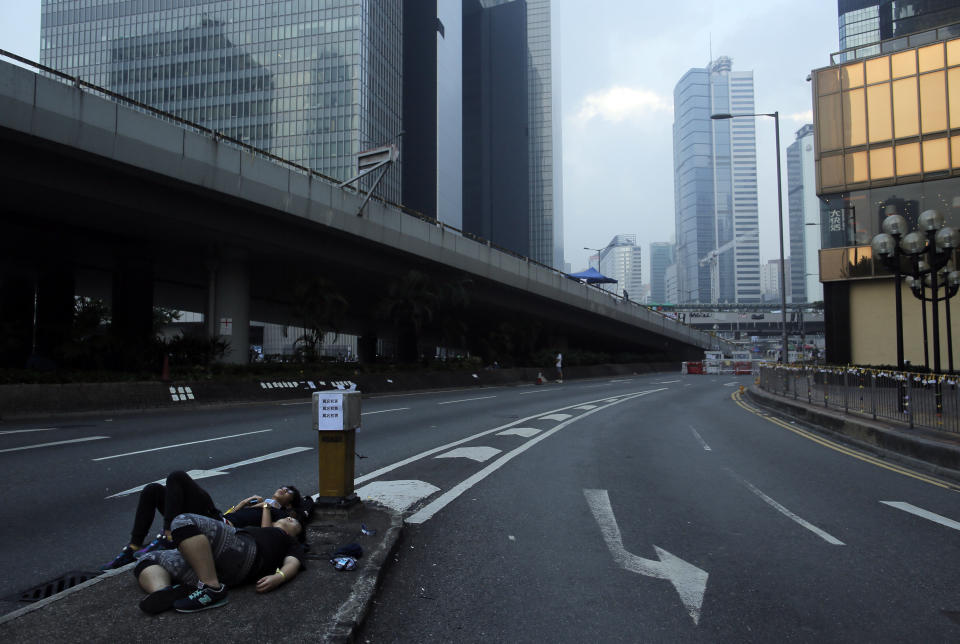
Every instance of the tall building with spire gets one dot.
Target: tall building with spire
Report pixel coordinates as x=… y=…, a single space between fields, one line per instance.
x=715 y=186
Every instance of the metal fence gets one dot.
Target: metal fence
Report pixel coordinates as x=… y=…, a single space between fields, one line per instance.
x=916 y=400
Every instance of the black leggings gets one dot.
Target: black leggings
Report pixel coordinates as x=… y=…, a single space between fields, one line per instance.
x=180 y=495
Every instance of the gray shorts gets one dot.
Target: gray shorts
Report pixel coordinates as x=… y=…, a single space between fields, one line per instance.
x=233 y=552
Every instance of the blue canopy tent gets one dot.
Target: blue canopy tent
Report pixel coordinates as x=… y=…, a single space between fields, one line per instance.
x=592 y=276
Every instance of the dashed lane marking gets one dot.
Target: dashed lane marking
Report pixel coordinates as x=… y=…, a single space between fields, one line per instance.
x=157 y=449
x=24 y=431
x=925 y=514
x=700 y=439
x=557 y=417
x=478 y=454
x=383 y=411
x=450 y=402
x=75 y=440
x=586 y=407
x=525 y=432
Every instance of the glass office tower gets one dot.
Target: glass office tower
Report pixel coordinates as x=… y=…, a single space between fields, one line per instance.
x=715 y=187
x=865 y=23
x=661 y=257
x=311 y=81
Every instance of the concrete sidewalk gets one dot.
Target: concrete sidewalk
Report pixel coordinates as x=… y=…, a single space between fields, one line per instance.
x=321 y=604
x=932 y=451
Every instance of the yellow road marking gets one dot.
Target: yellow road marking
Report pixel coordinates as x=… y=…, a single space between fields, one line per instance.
x=738 y=399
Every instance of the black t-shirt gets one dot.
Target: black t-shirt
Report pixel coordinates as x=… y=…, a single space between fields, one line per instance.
x=273 y=546
x=251 y=517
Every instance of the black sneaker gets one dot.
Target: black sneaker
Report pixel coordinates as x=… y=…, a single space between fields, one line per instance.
x=122 y=559
x=202 y=598
x=163 y=599
x=160 y=543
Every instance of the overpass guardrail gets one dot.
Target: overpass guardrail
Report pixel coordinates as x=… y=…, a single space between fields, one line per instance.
x=930 y=401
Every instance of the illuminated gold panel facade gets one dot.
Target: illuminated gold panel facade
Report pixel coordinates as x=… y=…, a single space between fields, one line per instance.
x=889 y=120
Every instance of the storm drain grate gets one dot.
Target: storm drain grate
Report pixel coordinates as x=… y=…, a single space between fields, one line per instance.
x=54 y=586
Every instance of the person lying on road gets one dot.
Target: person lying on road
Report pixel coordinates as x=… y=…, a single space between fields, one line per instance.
x=211 y=555
x=181 y=495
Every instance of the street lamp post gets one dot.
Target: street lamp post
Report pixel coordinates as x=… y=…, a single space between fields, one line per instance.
x=598 y=251
x=783 y=271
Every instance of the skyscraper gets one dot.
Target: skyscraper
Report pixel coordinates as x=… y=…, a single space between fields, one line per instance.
x=715 y=186
x=312 y=82
x=661 y=256
x=496 y=129
x=620 y=260
x=804 y=219
x=864 y=23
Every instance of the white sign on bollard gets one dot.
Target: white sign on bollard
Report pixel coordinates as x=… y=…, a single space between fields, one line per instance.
x=336 y=410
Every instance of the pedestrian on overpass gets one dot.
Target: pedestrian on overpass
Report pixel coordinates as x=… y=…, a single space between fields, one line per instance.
x=211 y=554
x=181 y=494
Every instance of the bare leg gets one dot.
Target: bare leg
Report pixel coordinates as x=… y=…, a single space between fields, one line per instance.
x=154 y=578
x=196 y=550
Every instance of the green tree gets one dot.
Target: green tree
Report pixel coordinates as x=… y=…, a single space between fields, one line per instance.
x=319 y=308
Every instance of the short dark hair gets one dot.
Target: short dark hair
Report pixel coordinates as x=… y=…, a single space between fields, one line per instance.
x=297 y=498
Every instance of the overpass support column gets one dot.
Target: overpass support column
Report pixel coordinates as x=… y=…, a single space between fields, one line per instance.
x=367 y=347
x=54 y=313
x=132 y=309
x=230 y=298
x=17 y=289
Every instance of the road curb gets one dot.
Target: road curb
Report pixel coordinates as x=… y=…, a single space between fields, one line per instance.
x=354 y=610
x=938 y=455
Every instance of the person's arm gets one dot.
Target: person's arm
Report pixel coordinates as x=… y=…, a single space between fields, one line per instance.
x=250 y=500
x=266 y=517
x=289 y=569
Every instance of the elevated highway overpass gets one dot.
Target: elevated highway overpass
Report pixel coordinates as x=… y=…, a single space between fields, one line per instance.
x=103 y=198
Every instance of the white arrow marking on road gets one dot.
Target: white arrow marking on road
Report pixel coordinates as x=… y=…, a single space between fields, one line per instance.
x=690 y=581
x=526 y=432
x=75 y=440
x=555 y=417
x=398 y=495
x=925 y=514
x=478 y=454
x=204 y=474
x=586 y=407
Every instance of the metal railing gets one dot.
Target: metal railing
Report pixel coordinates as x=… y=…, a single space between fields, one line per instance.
x=916 y=400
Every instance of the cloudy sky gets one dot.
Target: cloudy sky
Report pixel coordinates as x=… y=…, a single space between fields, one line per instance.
x=619 y=62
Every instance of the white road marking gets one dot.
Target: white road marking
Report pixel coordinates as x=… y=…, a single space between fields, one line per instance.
x=665 y=382
x=555 y=417
x=203 y=474
x=690 y=581
x=625 y=380
x=700 y=438
x=75 y=440
x=925 y=514
x=526 y=432
x=535 y=391
x=383 y=411
x=586 y=407
x=305 y=402
x=425 y=513
x=731 y=384
x=157 y=449
x=450 y=402
x=398 y=495
x=478 y=454
x=787 y=513
x=24 y=431
x=430 y=452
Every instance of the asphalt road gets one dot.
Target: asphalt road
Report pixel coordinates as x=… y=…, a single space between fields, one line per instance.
x=672 y=515
x=61 y=478
x=651 y=508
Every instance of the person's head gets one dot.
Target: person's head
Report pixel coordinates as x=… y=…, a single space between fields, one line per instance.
x=291 y=526
x=288 y=496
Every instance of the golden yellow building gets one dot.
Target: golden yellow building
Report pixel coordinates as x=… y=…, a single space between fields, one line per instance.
x=887 y=142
